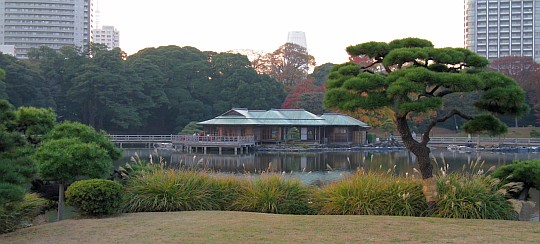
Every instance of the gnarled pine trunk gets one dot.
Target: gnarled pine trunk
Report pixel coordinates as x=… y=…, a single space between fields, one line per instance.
x=421 y=151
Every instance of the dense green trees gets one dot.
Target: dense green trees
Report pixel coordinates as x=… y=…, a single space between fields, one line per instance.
x=20 y=130
x=199 y=85
x=414 y=78
x=157 y=90
x=22 y=85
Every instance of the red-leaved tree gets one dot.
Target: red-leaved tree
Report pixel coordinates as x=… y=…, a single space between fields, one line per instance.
x=527 y=74
x=306 y=95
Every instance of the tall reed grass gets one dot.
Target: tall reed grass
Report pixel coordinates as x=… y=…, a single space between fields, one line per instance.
x=471 y=197
x=272 y=193
x=373 y=193
x=169 y=190
x=226 y=190
x=470 y=193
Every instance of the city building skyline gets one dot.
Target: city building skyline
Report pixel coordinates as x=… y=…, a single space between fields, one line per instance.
x=501 y=28
x=51 y=23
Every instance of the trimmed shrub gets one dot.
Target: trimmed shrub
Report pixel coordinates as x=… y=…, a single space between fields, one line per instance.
x=274 y=194
x=372 y=194
x=526 y=171
x=15 y=215
x=471 y=197
x=169 y=190
x=95 y=197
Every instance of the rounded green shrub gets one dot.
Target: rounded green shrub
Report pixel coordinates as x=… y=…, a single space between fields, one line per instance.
x=96 y=197
x=169 y=190
x=274 y=194
x=471 y=197
x=372 y=194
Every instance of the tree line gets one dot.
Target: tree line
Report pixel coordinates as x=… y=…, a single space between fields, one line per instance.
x=156 y=90
x=161 y=90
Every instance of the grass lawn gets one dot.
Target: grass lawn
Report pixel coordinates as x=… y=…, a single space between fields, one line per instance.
x=242 y=227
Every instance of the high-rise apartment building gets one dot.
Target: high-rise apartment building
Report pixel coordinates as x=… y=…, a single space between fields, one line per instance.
x=298 y=38
x=499 y=28
x=30 y=24
x=107 y=35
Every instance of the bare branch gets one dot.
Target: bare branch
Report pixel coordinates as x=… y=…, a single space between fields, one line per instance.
x=377 y=61
x=434 y=122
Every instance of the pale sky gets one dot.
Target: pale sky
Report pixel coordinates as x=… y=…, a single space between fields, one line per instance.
x=262 y=25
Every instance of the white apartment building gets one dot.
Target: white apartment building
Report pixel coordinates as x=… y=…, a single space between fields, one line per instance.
x=7 y=49
x=499 y=28
x=28 y=24
x=107 y=35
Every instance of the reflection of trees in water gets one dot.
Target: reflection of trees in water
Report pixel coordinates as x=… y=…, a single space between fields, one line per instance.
x=401 y=161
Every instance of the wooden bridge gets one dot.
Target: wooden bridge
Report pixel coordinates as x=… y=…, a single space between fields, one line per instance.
x=187 y=142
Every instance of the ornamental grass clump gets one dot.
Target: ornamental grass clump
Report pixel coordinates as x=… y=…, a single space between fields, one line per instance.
x=274 y=194
x=471 y=196
x=373 y=193
x=170 y=190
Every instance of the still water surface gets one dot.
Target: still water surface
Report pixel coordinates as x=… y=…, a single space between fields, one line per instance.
x=322 y=167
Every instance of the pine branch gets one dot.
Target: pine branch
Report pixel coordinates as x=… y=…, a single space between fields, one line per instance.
x=434 y=122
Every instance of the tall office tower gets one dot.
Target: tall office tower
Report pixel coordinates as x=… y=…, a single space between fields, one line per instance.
x=107 y=35
x=499 y=28
x=30 y=24
x=297 y=37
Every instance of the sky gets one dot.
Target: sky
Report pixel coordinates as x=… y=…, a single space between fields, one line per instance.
x=262 y=25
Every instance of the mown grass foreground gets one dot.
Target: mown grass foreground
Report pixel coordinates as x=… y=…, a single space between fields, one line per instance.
x=243 y=227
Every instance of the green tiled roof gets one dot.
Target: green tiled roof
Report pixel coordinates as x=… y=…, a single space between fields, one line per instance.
x=343 y=120
x=285 y=117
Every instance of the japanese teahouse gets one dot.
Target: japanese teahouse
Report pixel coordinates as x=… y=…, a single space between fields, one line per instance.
x=272 y=126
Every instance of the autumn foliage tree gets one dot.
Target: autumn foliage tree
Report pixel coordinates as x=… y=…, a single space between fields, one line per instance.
x=289 y=64
x=306 y=95
x=527 y=73
x=414 y=77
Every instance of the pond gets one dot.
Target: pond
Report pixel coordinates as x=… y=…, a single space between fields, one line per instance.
x=322 y=167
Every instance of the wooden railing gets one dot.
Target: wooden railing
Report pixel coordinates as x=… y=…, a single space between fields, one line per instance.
x=182 y=139
x=213 y=139
x=483 y=140
x=141 y=138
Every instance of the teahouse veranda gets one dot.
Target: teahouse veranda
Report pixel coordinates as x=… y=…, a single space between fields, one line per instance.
x=273 y=126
